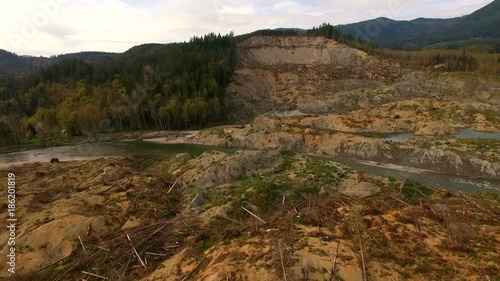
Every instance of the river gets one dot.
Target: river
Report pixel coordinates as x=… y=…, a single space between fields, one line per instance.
x=89 y=151
x=463 y=134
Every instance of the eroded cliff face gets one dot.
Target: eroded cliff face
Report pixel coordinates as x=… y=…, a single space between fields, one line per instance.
x=265 y=51
x=314 y=75
x=284 y=73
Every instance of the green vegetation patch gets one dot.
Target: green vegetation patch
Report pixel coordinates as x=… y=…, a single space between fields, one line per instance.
x=414 y=190
x=294 y=178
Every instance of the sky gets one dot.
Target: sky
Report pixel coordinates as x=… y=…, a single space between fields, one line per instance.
x=52 y=27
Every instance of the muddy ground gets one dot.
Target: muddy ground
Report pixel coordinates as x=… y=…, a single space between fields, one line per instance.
x=252 y=215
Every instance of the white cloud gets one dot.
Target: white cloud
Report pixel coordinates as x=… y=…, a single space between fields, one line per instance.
x=116 y=25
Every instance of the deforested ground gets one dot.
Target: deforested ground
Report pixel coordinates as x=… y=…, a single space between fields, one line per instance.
x=284 y=214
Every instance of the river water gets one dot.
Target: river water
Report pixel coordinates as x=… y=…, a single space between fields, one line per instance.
x=88 y=151
x=463 y=134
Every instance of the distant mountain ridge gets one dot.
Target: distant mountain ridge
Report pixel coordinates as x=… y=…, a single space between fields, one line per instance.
x=482 y=24
x=12 y=63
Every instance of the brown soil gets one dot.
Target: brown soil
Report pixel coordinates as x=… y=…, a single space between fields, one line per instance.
x=403 y=231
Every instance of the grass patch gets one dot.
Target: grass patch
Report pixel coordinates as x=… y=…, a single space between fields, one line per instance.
x=414 y=190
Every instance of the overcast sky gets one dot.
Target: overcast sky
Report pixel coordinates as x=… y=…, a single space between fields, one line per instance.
x=49 y=27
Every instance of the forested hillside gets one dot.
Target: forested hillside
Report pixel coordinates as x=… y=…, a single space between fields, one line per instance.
x=12 y=63
x=162 y=87
x=151 y=86
x=477 y=28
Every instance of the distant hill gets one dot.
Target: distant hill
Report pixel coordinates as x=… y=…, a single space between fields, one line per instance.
x=10 y=62
x=13 y=63
x=480 y=27
x=88 y=57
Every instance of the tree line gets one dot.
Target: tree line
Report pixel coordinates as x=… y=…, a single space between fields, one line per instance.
x=325 y=30
x=448 y=60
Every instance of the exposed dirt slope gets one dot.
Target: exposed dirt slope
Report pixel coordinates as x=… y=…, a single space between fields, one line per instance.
x=197 y=229
x=276 y=73
x=316 y=75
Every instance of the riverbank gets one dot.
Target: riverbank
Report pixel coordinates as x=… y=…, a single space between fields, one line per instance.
x=442 y=154
x=32 y=144
x=236 y=137
x=189 y=217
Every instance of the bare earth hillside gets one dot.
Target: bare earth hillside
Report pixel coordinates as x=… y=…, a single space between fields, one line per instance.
x=283 y=214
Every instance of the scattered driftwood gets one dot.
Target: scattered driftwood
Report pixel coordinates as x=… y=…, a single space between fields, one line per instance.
x=95 y=275
x=345 y=205
x=157 y=169
x=334 y=263
x=155 y=254
x=418 y=191
x=229 y=219
x=375 y=194
x=361 y=250
x=432 y=189
x=199 y=263
x=173 y=185
x=135 y=252
x=474 y=202
x=254 y=215
x=185 y=222
x=101 y=248
x=77 y=265
x=56 y=262
x=126 y=267
x=282 y=260
x=152 y=234
x=171 y=247
x=89 y=229
x=81 y=243
x=399 y=200
x=86 y=179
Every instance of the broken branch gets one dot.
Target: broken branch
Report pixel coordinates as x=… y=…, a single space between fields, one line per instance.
x=254 y=215
x=334 y=262
x=81 y=243
x=135 y=252
x=95 y=275
x=282 y=262
x=173 y=185
x=361 y=250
